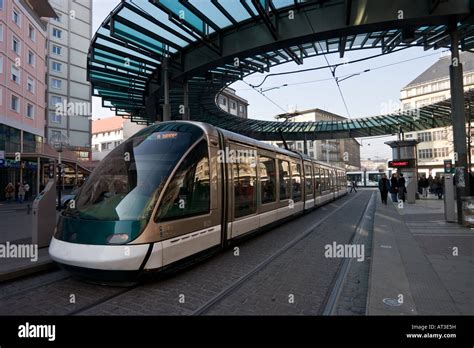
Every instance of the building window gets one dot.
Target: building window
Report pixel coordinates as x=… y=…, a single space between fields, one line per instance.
x=57 y=33
x=56 y=100
x=57 y=50
x=241 y=108
x=440 y=135
x=31 y=58
x=56 y=83
x=441 y=152
x=1 y=32
x=223 y=101
x=16 y=47
x=425 y=153
x=233 y=105
x=55 y=134
x=16 y=17
x=56 y=118
x=30 y=85
x=15 y=103
x=57 y=66
x=1 y=4
x=30 y=110
x=31 y=32
x=59 y=18
x=424 y=136
x=15 y=74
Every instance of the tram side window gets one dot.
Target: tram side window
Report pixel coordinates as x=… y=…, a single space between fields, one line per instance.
x=267 y=179
x=245 y=186
x=284 y=174
x=296 y=181
x=188 y=193
x=308 y=182
x=317 y=180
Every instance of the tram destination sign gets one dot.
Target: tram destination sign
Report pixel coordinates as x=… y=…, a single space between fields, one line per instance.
x=408 y=163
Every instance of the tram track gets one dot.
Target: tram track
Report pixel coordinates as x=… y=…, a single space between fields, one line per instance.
x=339 y=279
x=261 y=266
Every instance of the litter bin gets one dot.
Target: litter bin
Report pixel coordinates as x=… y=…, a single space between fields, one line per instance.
x=468 y=211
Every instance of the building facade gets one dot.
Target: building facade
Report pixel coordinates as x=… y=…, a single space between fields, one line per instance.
x=230 y=102
x=23 y=36
x=69 y=93
x=344 y=153
x=108 y=133
x=432 y=86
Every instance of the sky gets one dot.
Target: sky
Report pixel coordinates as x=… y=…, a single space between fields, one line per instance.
x=366 y=93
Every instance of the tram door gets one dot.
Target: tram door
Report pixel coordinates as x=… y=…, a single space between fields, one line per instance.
x=188 y=219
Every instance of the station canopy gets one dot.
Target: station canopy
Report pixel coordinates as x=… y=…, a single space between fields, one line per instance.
x=209 y=44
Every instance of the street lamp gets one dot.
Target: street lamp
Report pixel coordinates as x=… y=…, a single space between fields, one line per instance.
x=60 y=142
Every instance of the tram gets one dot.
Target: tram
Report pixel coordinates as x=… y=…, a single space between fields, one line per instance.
x=181 y=189
x=369 y=178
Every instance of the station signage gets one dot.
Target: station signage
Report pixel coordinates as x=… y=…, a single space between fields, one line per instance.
x=409 y=163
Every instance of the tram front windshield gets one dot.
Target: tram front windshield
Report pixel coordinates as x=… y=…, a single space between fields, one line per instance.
x=127 y=183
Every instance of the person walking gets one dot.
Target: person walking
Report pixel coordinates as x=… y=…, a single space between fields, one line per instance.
x=438 y=184
x=27 y=191
x=21 y=193
x=394 y=188
x=384 y=187
x=424 y=186
x=353 y=186
x=430 y=183
x=9 y=192
x=401 y=188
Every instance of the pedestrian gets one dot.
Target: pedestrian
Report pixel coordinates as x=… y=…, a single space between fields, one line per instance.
x=27 y=190
x=401 y=188
x=353 y=186
x=9 y=192
x=384 y=187
x=394 y=188
x=21 y=192
x=435 y=185
x=424 y=187
x=430 y=183
x=438 y=187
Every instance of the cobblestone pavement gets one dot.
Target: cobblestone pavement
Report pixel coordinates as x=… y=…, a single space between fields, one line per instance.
x=296 y=282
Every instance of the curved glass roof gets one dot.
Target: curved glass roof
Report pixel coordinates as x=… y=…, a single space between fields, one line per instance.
x=202 y=38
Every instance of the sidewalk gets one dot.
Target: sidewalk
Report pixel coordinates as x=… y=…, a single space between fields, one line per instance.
x=421 y=264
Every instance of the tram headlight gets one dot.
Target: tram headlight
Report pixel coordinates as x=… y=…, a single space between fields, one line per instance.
x=117 y=238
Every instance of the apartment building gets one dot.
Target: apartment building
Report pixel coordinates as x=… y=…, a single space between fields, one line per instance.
x=344 y=153
x=23 y=38
x=230 y=102
x=432 y=86
x=69 y=93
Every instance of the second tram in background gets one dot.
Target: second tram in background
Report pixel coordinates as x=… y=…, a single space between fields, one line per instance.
x=369 y=178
